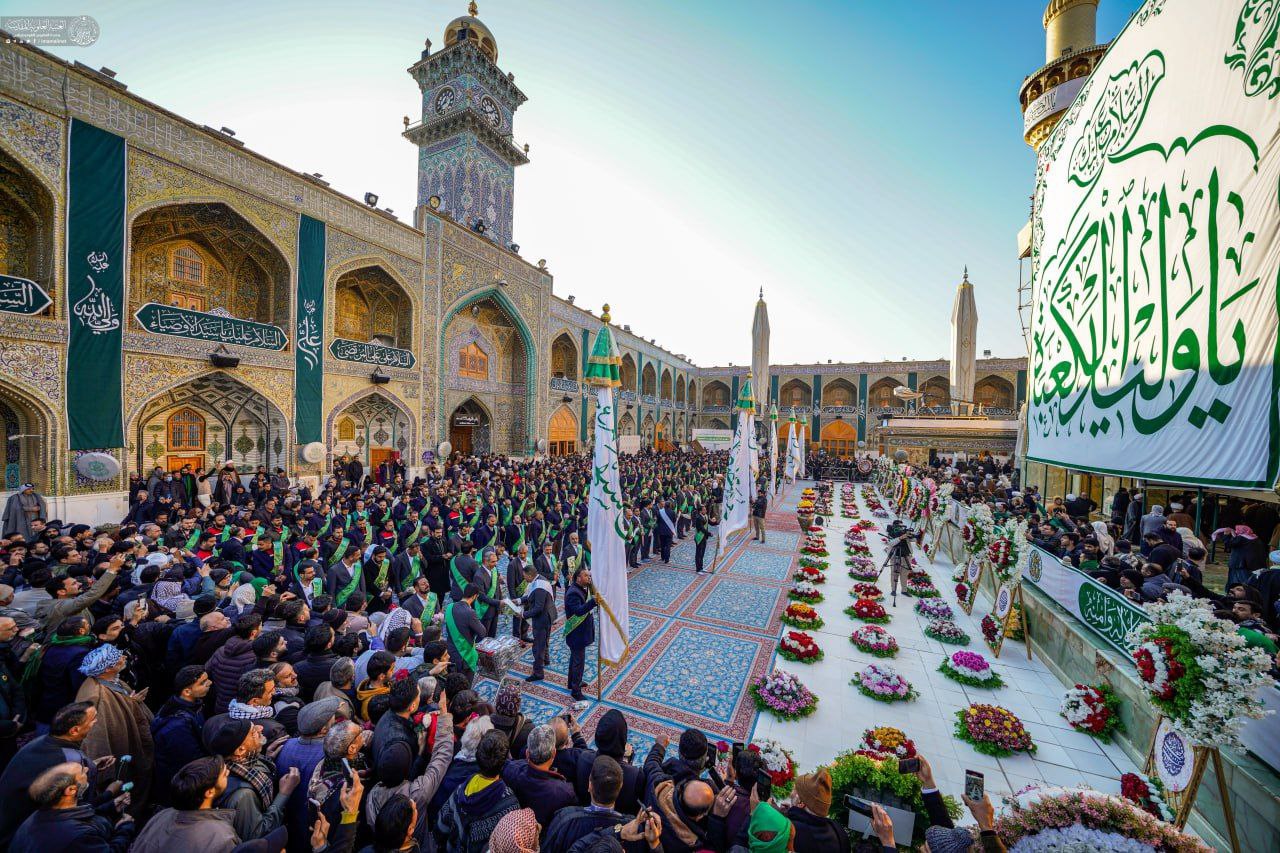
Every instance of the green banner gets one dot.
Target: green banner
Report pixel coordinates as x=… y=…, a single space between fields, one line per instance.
x=22 y=295
x=308 y=371
x=370 y=353
x=95 y=286
x=204 y=326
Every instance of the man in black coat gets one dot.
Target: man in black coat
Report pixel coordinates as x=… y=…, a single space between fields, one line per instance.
x=515 y=580
x=62 y=822
x=462 y=631
x=317 y=662
x=176 y=729
x=665 y=530
x=437 y=554
x=574 y=824
x=538 y=608
x=71 y=725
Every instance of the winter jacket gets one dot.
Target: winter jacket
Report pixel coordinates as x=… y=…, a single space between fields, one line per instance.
x=573 y=824
x=313 y=670
x=467 y=820
x=422 y=788
x=75 y=830
x=544 y=791
x=228 y=663
x=37 y=756
x=680 y=833
x=206 y=830
x=394 y=749
x=176 y=732
x=58 y=680
x=816 y=834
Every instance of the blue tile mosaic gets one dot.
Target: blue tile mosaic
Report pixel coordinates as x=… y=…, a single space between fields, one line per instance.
x=757 y=563
x=700 y=672
x=738 y=603
x=660 y=587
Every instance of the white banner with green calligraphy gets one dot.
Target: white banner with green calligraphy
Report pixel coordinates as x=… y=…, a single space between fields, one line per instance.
x=739 y=486
x=1155 y=254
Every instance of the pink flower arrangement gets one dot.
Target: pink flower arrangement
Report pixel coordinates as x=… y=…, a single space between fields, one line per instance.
x=781 y=694
x=882 y=682
x=946 y=631
x=993 y=730
x=934 y=608
x=875 y=640
x=970 y=668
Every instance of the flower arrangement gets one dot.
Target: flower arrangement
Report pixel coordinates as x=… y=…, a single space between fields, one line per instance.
x=866 y=590
x=1198 y=671
x=781 y=694
x=887 y=742
x=1148 y=793
x=1077 y=819
x=873 y=504
x=814 y=547
x=883 y=683
x=934 y=608
x=992 y=730
x=990 y=630
x=970 y=668
x=962 y=591
x=854 y=773
x=862 y=569
x=920 y=585
x=814 y=563
x=868 y=610
x=799 y=647
x=804 y=591
x=874 y=640
x=946 y=631
x=778 y=762
x=810 y=574
x=800 y=615
x=1092 y=710
x=858 y=549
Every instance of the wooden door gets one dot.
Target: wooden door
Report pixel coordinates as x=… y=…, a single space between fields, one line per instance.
x=175 y=463
x=376 y=457
x=460 y=438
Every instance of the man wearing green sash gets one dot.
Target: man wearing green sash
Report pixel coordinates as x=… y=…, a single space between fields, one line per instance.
x=462 y=631
x=579 y=627
x=487 y=581
x=345 y=577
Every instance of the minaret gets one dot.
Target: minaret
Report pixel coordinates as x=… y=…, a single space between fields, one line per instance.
x=964 y=346
x=1070 y=53
x=467 y=155
x=760 y=355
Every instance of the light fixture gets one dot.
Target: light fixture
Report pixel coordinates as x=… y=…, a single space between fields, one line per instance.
x=434 y=202
x=475 y=310
x=406 y=122
x=515 y=247
x=542 y=263
x=566 y=399
x=378 y=377
x=371 y=199
x=228 y=131
x=478 y=226
x=569 y=299
x=222 y=357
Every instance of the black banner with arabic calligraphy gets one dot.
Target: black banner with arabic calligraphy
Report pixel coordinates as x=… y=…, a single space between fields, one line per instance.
x=95 y=287
x=308 y=373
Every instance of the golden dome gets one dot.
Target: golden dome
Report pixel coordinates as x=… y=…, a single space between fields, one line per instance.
x=477 y=33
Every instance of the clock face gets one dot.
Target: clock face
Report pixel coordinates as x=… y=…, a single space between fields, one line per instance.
x=445 y=100
x=490 y=111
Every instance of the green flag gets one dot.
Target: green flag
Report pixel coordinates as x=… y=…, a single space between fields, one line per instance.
x=308 y=383
x=95 y=287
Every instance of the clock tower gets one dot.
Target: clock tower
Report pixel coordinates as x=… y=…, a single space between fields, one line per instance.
x=466 y=152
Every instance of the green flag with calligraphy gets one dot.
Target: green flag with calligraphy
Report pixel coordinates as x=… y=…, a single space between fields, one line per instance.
x=308 y=365
x=95 y=287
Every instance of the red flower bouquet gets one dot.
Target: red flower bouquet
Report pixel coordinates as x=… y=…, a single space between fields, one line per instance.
x=1092 y=710
x=866 y=590
x=800 y=647
x=800 y=615
x=867 y=610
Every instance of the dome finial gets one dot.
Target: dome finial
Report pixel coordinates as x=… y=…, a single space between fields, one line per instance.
x=966 y=274
x=762 y=293
x=472 y=10
x=605 y=316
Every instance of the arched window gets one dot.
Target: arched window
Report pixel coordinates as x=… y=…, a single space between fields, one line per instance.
x=473 y=363
x=187 y=265
x=186 y=430
x=346 y=430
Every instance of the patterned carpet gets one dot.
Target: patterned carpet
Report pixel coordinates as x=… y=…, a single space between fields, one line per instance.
x=697 y=641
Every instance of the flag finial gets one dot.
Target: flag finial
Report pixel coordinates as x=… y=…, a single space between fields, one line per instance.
x=471 y=9
x=605 y=315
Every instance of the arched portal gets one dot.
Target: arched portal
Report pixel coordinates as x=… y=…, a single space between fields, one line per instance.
x=647 y=429
x=840 y=438
x=715 y=393
x=666 y=386
x=839 y=392
x=649 y=381
x=662 y=433
x=372 y=427
x=564 y=357
x=371 y=307
x=994 y=392
x=28 y=441
x=469 y=428
x=206 y=421
x=679 y=390
x=628 y=372
x=562 y=433
x=204 y=256
x=880 y=396
x=627 y=424
x=487 y=352
x=794 y=393
x=26 y=225
x=937 y=392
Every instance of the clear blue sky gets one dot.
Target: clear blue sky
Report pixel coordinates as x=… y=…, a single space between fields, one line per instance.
x=849 y=157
